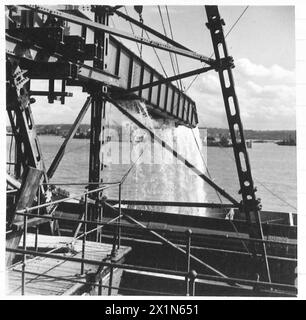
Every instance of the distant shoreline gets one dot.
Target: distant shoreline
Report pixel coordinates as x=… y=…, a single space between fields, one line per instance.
x=249 y=134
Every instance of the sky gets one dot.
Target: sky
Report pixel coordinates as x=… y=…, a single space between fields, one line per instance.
x=262 y=44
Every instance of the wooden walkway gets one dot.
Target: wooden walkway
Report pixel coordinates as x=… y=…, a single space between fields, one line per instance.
x=63 y=270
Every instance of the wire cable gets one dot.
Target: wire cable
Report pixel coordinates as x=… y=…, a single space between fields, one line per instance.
x=131 y=167
x=175 y=55
x=191 y=83
x=217 y=193
x=154 y=49
x=230 y=30
x=156 y=53
x=233 y=26
x=141 y=21
x=132 y=29
x=258 y=181
x=165 y=33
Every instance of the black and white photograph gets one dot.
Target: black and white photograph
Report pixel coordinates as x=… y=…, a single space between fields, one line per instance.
x=152 y=150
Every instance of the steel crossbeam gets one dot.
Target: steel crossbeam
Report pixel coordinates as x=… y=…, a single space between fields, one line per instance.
x=119 y=33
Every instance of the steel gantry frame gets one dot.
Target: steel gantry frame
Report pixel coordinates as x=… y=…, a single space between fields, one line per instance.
x=98 y=116
x=223 y=64
x=119 y=33
x=249 y=201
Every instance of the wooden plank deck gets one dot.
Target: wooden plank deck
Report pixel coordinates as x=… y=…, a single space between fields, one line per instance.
x=65 y=271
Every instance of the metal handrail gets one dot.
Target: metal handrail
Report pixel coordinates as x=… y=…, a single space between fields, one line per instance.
x=229 y=280
x=26 y=210
x=131 y=226
x=94 y=284
x=175 y=203
x=178 y=249
x=84 y=221
x=189 y=275
x=79 y=183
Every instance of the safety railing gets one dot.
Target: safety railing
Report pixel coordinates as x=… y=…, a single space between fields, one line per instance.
x=190 y=276
x=26 y=213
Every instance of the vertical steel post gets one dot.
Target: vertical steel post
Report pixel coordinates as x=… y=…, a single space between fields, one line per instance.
x=84 y=234
x=24 y=258
x=192 y=277
x=37 y=227
x=110 y=284
x=188 y=245
x=100 y=229
x=119 y=220
x=99 y=219
x=97 y=139
x=95 y=158
x=100 y=287
x=115 y=241
x=224 y=68
x=17 y=150
x=36 y=238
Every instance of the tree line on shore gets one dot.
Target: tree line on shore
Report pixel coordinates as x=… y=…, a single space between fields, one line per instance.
x=261 y=135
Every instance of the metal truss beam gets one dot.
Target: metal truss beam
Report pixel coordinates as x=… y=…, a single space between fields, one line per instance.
x=64 y=70
x=100 y=27
x=165 y=99
x=21 y=119
x=170 y=79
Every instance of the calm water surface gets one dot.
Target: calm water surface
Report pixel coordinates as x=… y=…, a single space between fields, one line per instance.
x=273 y=168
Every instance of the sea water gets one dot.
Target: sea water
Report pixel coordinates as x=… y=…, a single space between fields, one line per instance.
x=273 y=167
